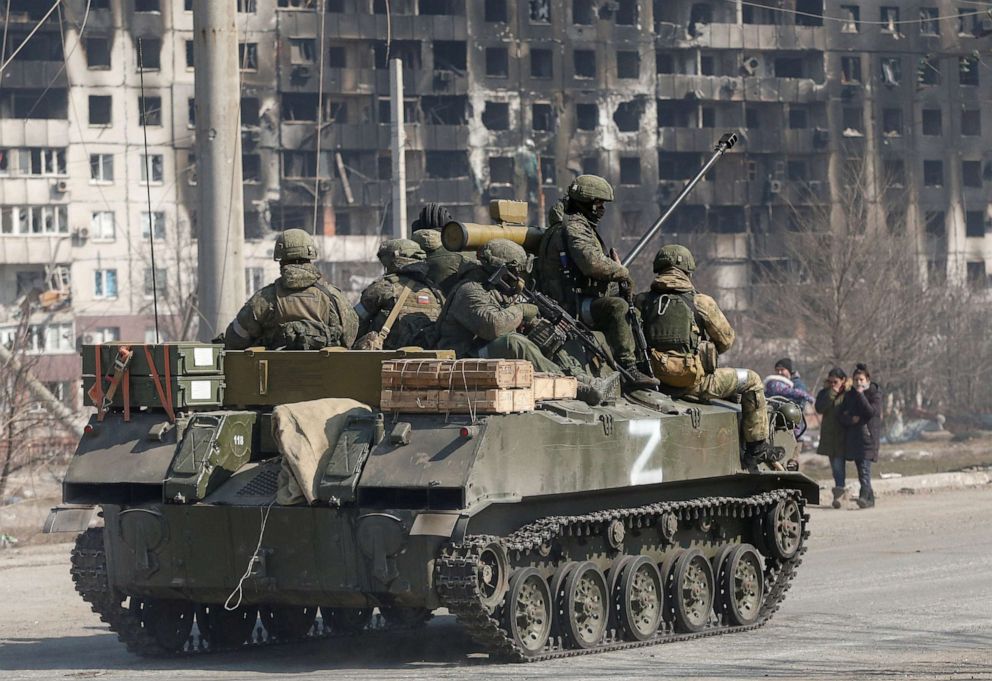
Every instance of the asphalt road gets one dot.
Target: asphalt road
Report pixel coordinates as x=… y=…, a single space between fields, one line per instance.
x=903 y=591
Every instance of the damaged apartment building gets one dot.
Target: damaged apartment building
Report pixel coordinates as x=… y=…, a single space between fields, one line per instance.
x=503 y=99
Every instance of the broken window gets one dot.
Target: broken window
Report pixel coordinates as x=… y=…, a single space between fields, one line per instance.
x=934 y=223
x=148 y=53
x=146 y=6
x=497 y=62
x=583 y=12
x=628 y=115
x=449 y=55
x=444 y=109
x=789 y=67
x=968 y=70
x=102 y=225
x=891 y=70
x=797 y=171
x=496 y=11
x=707 y=65
x=501 y=170
x=438 y=7
x=251 y=6
x=152 y=169
x=971 y=122
x=189 y=54
x=590 y=165
x=700 y=15
x=971 y=173
x=150 y=111
x=627 y=13
x=190 y=112
x=153 y=224
x=446 y=165
x=974 y=225
x=852 y=121
x=101 y=108
x=299 y=164
x=892 y=122
x=931 y=122
x=752 y=120
x=895 y=173
x=630 y=170
x=249 y=112
x=301 y=50
x=664 y=63
x=540 y=11
x=677 y=114
x=933 y=173
x=798 y=118
x=929 y=21
x=809 y=12
x=407 y=51
x=541 y=63
x=384 y=167
x=928 y=72
x=977 y=276
x=248 y=56
x=251 y=168
x=850 y=15
x=585 y=63
x=677 y=165
x=549 y=171
x=889 y=17
x=586 y=116
x=97 y=53
x=850 y=69
x=628 y=64
x=707 y=117
x=496 y=116
x=337 y=57
x=542 y=117
x=335 y=112
x=299 y=106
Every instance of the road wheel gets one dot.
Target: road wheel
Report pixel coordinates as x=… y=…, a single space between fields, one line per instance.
x=287 y=622
x=742 y=586
x=346 y=620
x=692 y=591
x=586 y=606
x=168 y=622
x=528 y=610
x=641 y=599
x=783 y=529
x=224 y=628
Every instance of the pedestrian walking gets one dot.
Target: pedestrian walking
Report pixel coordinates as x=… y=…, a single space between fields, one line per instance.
x=860 y=414
x=831 y=445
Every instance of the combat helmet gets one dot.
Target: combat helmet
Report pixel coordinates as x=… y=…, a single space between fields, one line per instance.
x=429 y=239
x=588 y=188
x=674 y=255
x=294 y=244
x=397 y=253
x=504 y=253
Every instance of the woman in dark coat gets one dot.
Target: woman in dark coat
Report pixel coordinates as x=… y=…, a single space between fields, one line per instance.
x=828 y=402
x=860 y=414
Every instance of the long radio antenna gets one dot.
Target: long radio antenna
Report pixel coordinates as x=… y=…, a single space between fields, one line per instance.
x=148 y=183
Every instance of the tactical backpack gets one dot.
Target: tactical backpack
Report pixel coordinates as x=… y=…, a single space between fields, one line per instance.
x=673 y=334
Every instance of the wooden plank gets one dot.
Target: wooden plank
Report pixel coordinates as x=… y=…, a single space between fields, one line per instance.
x=554 y=387
x=458 y=374
x=432 y=400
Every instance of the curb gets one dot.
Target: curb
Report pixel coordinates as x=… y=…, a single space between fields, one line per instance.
x=914 y=483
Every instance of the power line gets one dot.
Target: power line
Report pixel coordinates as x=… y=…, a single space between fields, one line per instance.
x=30 y=35
x=825 y=17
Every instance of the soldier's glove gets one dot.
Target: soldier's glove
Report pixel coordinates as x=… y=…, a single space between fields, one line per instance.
x=529 y=311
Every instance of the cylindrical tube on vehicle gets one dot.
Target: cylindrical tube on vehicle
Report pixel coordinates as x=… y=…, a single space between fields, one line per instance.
x=468 y=236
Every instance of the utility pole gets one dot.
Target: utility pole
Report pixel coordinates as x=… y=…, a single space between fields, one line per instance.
x=220 y=258
x=398 y=147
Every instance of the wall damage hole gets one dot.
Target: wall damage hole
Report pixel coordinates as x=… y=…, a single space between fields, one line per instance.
x=628 y=64
x=446 y=165
x=496 y=116
x=445 y=109
x=585 y=63
x=586 y=116
x=628 y=115
x=542 y=117
x=501 y=169
x=541 y=63
x=540 y=11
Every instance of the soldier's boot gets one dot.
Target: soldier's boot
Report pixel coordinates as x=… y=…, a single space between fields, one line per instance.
x=595 y=391
x=762 y=452
x=839 y=493
x=639 y=380
x=866 y=500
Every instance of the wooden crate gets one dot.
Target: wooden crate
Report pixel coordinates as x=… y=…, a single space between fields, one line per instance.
x=485 y=401
x=457 y=374
x=554 y=387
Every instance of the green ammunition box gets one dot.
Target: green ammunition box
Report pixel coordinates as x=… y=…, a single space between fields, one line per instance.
x=187 y=391
x=185 y=358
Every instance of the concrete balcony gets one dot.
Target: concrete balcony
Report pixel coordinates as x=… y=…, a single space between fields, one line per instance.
x=35 y=249
x=744 y=36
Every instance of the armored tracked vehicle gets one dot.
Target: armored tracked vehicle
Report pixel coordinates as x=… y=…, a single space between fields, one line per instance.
x=547 y=526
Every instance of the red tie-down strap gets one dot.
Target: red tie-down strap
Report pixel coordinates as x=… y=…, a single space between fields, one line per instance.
x=104 y=400
x=164 y=396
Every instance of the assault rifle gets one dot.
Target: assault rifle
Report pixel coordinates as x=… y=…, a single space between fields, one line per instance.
x=509 y=283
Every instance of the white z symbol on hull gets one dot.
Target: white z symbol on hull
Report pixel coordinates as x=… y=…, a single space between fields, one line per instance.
x=640 y=474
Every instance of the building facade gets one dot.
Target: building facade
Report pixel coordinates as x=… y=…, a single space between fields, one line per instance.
x=503 y=99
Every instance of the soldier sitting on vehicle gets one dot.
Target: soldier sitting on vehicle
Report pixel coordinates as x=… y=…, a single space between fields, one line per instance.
x=481 y=319
x=685 y=331
x=443 y=266
x=575 y=270
x=397 y=307
x=300 y=310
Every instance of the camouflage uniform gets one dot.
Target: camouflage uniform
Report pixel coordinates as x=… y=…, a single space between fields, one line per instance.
x=405 y=268
x=443 y=266
x=575 y=270
x=713 y=325
x=299 y=311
